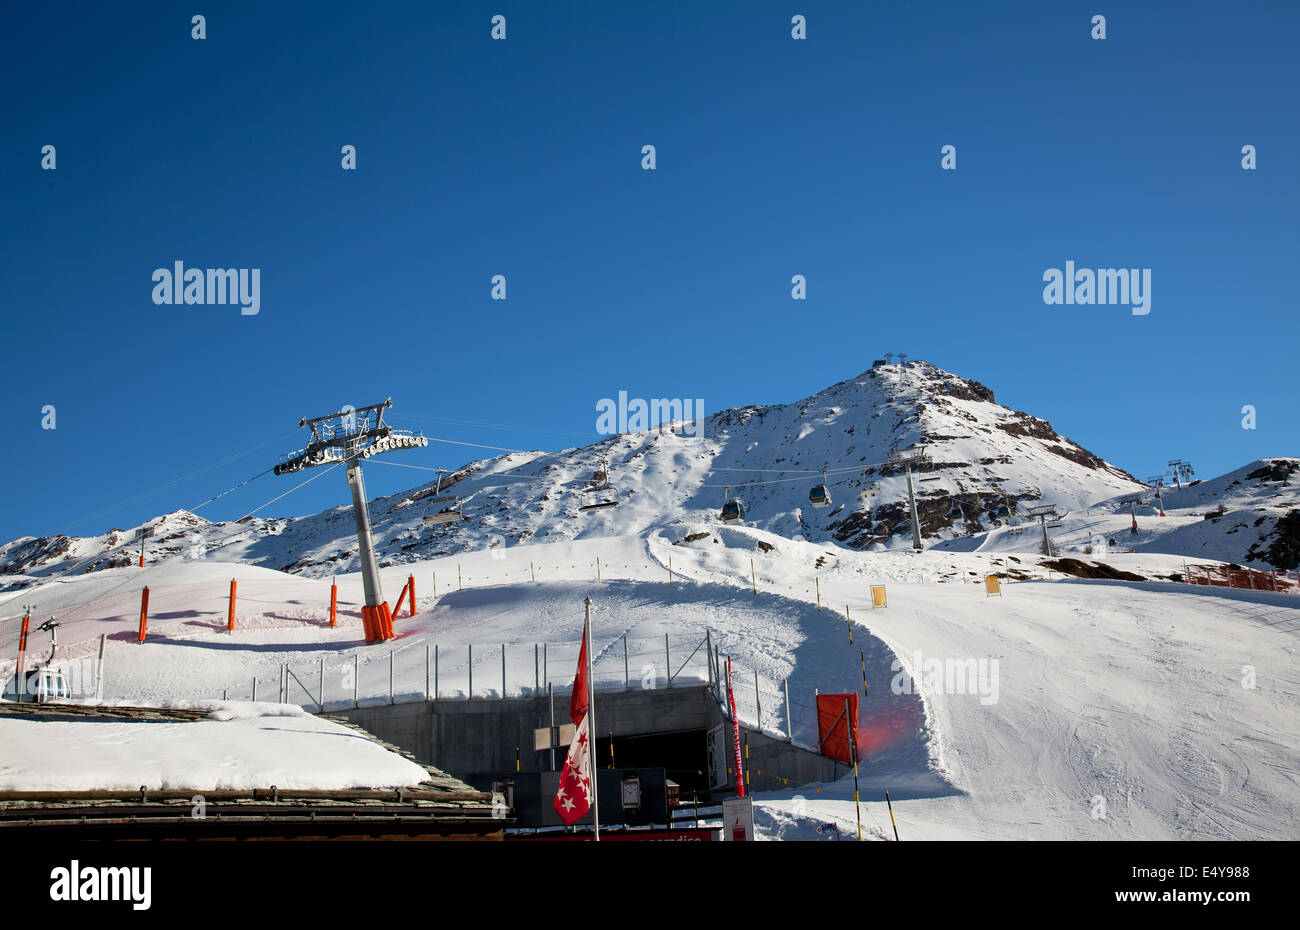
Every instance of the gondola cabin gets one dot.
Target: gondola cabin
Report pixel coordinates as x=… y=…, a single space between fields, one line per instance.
x=819 y=496
x=48 y=684
x=733 y=511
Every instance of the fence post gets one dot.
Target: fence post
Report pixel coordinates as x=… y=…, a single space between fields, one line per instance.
x=546 y=672
x=99 y=672
x=390 y=676
x=435 y=671
x=668 y=663
x=469 y=691
x=531 y=571
x=537 y=668
x=789 y=719
x=708 y=648
x=356 y=680
x=322 y=685
x=627 y=678
x=411 y=582
x=426 y=672
x=334 y=604
x=144 y=612
x=550 y=693
x=230 y=617
x=254 y=689
x=503 y=671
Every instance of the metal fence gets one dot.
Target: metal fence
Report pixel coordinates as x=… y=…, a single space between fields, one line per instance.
x=422 y=672
x=501 y=671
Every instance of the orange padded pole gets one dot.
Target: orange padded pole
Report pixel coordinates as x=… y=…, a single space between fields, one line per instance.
x=144 y=613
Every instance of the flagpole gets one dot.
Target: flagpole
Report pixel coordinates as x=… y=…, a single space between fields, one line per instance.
x=591 y=722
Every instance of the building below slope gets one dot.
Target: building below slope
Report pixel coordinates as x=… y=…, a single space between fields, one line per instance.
x=439 y=807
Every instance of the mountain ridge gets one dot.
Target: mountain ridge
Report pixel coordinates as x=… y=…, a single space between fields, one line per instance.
x=987 y=464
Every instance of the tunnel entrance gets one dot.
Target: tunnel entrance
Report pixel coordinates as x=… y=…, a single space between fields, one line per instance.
x=683 y=754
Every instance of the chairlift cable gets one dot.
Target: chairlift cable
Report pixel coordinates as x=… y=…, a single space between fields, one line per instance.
x=172 y=483
x=512 y=426
x=136 y=577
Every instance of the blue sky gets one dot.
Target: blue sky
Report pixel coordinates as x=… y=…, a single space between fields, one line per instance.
x=522 y=157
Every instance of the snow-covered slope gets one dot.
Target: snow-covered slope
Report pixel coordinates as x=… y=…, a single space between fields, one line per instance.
x=987 y=461
x=1114 y=710
x=1241 y=517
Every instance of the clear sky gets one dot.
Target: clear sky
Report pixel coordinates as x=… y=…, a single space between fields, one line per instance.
x=523 y=157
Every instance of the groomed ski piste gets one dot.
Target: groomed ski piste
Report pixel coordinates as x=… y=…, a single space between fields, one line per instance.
x=1101 y=710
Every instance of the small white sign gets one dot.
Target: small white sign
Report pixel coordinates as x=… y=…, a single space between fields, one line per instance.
x=737 y=819
x=542 y=737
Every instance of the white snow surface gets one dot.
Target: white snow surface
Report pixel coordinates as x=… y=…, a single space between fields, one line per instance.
x=1146 y=710
x=238 y=746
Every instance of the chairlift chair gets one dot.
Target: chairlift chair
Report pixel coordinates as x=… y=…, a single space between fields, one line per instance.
x=594 y=501
x=600 y=496
x=438 y=496
x=449 y=514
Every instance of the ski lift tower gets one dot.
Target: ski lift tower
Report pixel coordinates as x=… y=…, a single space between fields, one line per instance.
x=905 y=461
x=1158 y=482
x=1042 y=514
x=345 y=438
x=1132 y=501
x=1182 y=471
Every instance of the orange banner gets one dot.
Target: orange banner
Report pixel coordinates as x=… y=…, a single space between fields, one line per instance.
x=833 y=728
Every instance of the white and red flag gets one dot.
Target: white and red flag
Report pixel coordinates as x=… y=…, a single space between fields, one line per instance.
x=573 y=799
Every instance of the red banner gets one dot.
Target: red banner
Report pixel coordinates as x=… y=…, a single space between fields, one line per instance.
x=735 y=732
x=833 y=728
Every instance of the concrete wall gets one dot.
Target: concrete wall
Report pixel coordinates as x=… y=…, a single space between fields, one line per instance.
x=770 y=757
x=461 y=736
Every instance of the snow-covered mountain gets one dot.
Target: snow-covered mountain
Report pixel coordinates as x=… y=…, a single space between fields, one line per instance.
x=988 y=463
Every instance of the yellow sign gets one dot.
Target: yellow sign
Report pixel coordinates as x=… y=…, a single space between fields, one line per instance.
x=878 y=596
x=992 y=586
